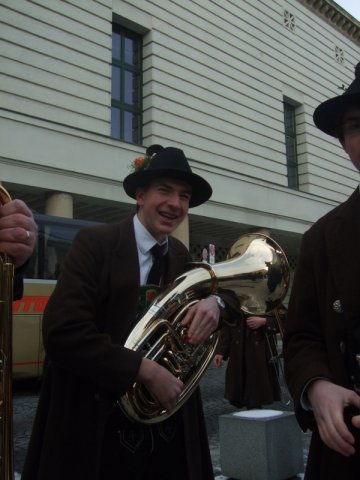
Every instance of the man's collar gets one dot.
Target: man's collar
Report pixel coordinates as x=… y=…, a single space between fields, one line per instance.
x=144 y=240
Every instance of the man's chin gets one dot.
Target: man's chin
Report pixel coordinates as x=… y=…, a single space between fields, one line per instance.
x=168 y=230
x=167 y=225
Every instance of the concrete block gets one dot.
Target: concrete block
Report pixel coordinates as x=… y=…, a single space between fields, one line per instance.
x=260 y=445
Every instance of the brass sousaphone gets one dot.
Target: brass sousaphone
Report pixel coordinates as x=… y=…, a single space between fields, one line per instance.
x=257 y=271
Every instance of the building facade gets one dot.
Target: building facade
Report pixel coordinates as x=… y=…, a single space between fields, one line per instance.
x=86 y=85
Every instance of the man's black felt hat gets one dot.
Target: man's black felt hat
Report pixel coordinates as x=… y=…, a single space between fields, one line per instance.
x=171 y=163
x=329 y=114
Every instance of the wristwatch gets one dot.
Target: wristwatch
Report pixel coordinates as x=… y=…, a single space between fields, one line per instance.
x=219 y=301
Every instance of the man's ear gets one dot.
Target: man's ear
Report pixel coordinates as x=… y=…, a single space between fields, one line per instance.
x=139 y=196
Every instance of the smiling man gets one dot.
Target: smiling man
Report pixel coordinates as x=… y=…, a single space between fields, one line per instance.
x=79 y=432
x=163 y=206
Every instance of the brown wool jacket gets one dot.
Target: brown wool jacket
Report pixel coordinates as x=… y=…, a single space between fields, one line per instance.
x=86 y=321
x=317 y=333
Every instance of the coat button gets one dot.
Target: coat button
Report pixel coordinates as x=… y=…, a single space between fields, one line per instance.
x=337 y=306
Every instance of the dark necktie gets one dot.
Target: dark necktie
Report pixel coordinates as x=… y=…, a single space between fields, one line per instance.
x=157 y=268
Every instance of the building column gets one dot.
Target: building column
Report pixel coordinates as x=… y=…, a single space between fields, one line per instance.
x=59 y=205
x=182 y=232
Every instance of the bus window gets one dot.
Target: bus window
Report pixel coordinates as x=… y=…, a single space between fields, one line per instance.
x=55 y=236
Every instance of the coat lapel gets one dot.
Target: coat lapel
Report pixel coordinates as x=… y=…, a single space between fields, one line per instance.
x=124 y=282
x=175 y=261
x=125 y=255
x=343 y=238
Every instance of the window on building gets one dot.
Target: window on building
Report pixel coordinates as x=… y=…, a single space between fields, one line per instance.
x=290 y=143
x=126 y=85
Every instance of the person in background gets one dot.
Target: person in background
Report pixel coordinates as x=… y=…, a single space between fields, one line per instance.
x=18 y=233
x=251 y=378
x=80 y=432
x=322 y=340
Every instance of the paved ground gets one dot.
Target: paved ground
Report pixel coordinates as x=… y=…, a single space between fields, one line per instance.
x=212 y=387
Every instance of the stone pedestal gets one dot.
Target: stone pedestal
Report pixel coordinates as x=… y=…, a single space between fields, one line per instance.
x=260 y=445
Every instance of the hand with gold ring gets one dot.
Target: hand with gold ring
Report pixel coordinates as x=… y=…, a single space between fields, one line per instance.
x=18 y=231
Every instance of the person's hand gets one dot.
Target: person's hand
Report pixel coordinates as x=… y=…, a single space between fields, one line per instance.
x=218 y=360
x=201 y=319
x=255 y=322
x=160 y=383
x=356 y=421
x=328 y=402
x=18 y=231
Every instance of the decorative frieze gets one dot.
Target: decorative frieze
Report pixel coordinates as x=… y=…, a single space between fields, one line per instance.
x=336 y=16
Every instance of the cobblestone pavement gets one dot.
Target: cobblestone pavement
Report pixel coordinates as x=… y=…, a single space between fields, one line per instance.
x=25 y=400
x=212 y=387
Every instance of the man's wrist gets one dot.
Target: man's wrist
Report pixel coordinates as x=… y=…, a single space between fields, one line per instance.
x=304 y=398
x=219 y=301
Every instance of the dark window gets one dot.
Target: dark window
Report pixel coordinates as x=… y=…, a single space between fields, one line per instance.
x=290 y=144
x=55 y=236
x=126 y=85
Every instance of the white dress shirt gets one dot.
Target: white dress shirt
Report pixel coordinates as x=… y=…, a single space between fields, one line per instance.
x=145 y=241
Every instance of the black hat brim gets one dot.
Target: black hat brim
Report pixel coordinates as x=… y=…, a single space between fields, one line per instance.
x=201 y=190
x=329 y=114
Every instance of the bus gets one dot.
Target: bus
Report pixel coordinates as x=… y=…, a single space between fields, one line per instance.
x=55 y=235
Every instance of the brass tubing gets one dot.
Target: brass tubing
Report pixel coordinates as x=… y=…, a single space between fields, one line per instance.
x=6 y=394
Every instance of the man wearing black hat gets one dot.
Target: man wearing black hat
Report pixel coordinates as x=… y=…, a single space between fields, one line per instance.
x=322 y=338
x=80 y=432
